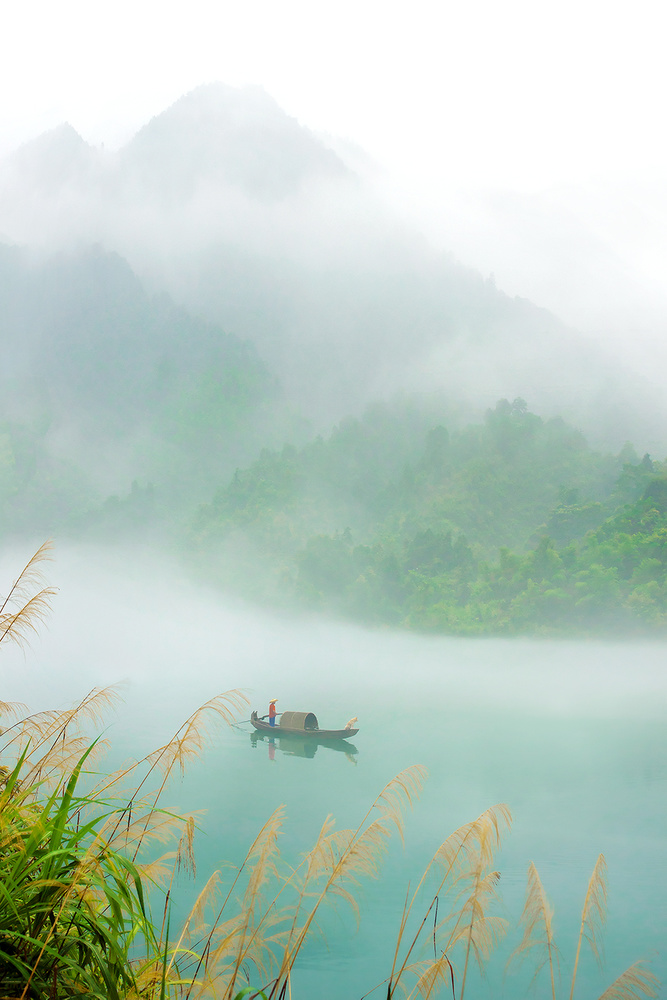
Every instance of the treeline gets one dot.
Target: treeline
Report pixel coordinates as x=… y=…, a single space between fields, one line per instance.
x=512 y=525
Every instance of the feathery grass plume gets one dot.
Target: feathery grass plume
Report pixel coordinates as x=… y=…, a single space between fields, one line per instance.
x=398 y=795
x=437 y=975
x=28 y=603
x=187 y=743
x=56 y=739
x=12 y=708
x=269 y=934
x=459 y=865
x=185 y=855
x=478 y=932
x=633 y=984
x=538 y=935
x=252 y=933
x=339 y=858
x=191 y=738
x=593 y=914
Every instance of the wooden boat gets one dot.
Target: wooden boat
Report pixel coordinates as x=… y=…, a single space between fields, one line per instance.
x=301 y=724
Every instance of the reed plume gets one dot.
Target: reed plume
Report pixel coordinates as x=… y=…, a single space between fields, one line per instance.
x=461 y=869
x=634 y=983
x=28 y=603
x=593 y=914
x=54 y=741
x=247 y=929
x=333 y=867
x=537 y=920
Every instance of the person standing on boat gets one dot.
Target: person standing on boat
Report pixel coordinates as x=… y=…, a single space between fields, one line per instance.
x=272 y=711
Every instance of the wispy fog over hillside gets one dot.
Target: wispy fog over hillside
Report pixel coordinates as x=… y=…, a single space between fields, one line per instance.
x=592 y=251
x=255 y=224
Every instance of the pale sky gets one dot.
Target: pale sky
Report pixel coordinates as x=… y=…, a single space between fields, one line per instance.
x=526 y=137
x=516 y=94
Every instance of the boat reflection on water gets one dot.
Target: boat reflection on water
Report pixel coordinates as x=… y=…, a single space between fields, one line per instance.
x=300 y=746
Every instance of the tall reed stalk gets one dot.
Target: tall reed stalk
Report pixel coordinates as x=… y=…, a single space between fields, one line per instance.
x=538 y=939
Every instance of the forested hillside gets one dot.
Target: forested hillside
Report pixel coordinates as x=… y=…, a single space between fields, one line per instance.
x=511 y=525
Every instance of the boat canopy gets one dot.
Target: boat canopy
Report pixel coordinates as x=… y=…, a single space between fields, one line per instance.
x=298 y=720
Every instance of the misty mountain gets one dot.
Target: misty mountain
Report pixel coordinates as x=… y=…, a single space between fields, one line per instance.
x=590 y=251
x=213 y=136
x=251 y=221
x=117 y=384
x=55 y=160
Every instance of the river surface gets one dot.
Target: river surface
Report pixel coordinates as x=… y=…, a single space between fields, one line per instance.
x=571 y=735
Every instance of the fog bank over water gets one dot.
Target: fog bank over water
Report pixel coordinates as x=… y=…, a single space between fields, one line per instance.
x=118 y=619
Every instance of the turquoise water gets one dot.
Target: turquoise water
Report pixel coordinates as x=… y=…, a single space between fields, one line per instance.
x=570 y=735
x=578 y=784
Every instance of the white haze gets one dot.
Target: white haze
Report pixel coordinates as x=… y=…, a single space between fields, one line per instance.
x=522 y=138
x=593 y=252
x=123 y=618
x=300 y=254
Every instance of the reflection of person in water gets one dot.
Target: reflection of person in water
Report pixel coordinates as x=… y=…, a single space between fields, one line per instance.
x=272 y=749
x=272 y=711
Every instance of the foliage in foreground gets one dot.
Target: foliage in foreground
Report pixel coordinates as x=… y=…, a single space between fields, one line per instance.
x=85 y=905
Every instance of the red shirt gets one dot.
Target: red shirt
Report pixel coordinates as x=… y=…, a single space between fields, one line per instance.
x=272 y=711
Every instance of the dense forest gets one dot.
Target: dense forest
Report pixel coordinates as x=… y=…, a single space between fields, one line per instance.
x=507 y=526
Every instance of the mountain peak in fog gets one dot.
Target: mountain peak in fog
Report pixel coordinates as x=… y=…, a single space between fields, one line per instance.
x=227 y=135
x=54 y=158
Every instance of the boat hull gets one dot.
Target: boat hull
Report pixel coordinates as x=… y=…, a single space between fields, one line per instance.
x=321 y=735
